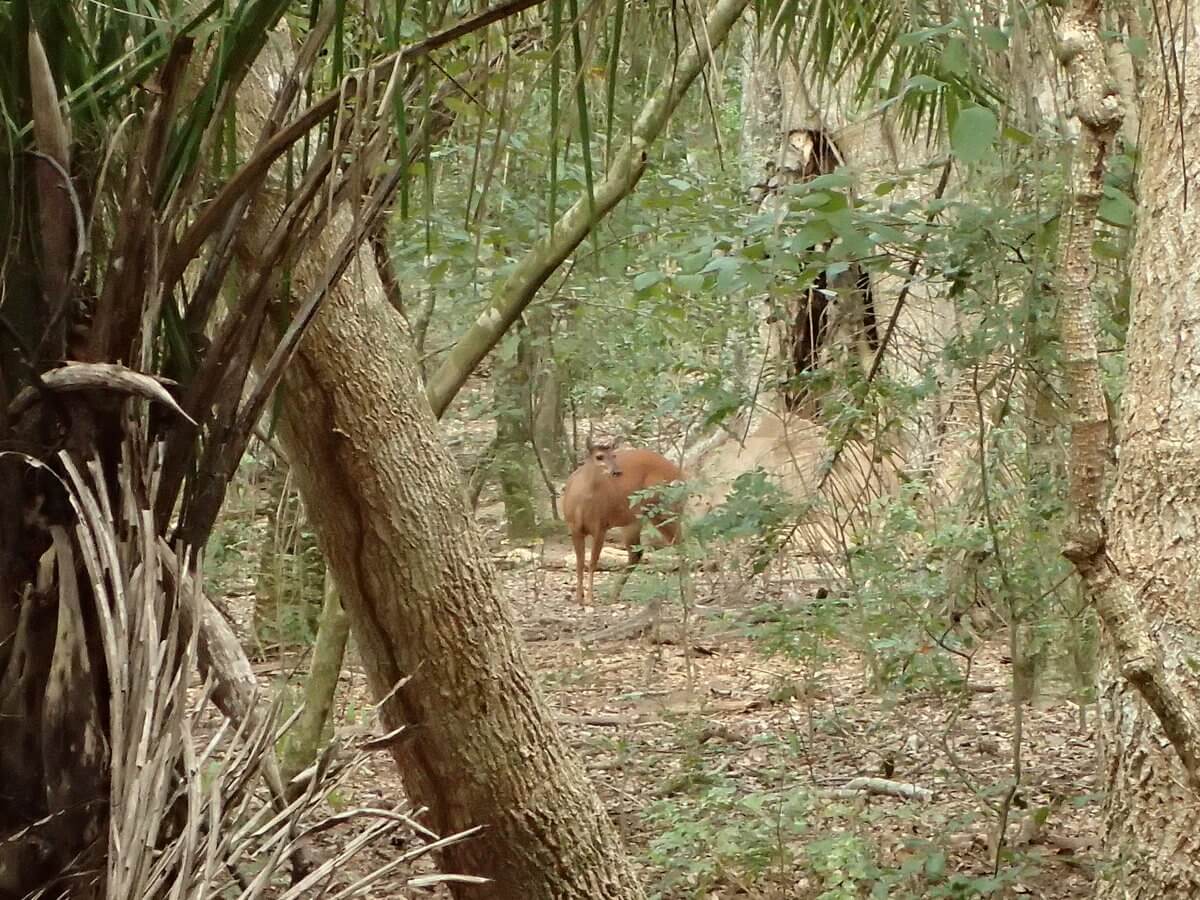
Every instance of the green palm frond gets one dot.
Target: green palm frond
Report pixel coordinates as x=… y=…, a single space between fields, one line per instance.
x=917 y=56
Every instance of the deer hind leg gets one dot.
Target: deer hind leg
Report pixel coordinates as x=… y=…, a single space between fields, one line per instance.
x=632 y=536
x=597 y=546
x=578 y=538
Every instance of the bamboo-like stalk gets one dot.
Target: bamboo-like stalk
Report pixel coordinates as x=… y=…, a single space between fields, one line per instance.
x=624 y=172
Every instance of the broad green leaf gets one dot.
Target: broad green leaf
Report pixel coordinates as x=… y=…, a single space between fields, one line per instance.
x=881 y=232
x=1017 y=136
x=815 y=232
x=954 y=57
x=1116 y=208
x=695 y=262
x=647 y=280
x=830 y=181
x=924 y=84
x=973 y=133
x=809 y=199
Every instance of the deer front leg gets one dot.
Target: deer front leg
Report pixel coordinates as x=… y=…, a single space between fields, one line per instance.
x=578 y=540
x=597 y=546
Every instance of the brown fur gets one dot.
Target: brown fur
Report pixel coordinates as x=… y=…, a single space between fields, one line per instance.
x=596 y=498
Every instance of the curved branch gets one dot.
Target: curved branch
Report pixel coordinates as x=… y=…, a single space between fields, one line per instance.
x=577 y=222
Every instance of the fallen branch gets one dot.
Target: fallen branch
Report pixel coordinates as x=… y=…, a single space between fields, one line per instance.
x=884 y=786
x=631 y=628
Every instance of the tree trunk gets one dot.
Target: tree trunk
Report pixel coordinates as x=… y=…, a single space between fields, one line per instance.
x=547 y=412
x=303 y=742
x=423 y=601
x=482 y=747
x=1139 y=563
x=513 y=461
x=1152 y=822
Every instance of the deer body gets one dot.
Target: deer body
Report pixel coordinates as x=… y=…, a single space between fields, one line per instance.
x=596 y=498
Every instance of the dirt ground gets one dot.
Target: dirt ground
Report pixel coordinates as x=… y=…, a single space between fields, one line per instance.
x=725 y=765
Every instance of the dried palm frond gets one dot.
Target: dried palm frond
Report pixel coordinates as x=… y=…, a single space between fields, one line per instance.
x=184 y=817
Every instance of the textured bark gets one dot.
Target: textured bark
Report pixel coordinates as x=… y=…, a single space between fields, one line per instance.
x=1139 y=563
x=514 y=461
x=1152 y=824
x=383 y=492
x=547 y=413
x=422 y=597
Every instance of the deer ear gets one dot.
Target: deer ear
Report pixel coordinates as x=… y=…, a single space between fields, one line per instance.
x=590 y=445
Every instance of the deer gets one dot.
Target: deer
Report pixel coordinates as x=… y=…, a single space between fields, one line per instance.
x=596 y=498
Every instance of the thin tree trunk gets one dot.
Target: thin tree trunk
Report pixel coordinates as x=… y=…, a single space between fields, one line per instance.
x=304 y=739
x=547 y=409
x=513 y=461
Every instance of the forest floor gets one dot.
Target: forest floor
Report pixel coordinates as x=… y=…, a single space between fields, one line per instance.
x=723 y=757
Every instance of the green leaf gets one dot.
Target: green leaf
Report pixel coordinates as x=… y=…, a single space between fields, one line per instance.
x=695 y=262
x=728 y=280
x=1117 y=208
x=815 y=232
x=994 y=39
x=954 y=57
x=809 y=200
x=830 y=181
x=690 y=284
x=647 y=280
x=924 y=84
x=1017 y=136
x=973 y=133
x=881 y=232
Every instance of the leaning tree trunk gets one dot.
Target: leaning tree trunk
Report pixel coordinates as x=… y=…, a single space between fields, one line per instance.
x=424 y=604
x=435 y=635
x=1139 y=563
x=433 y=631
